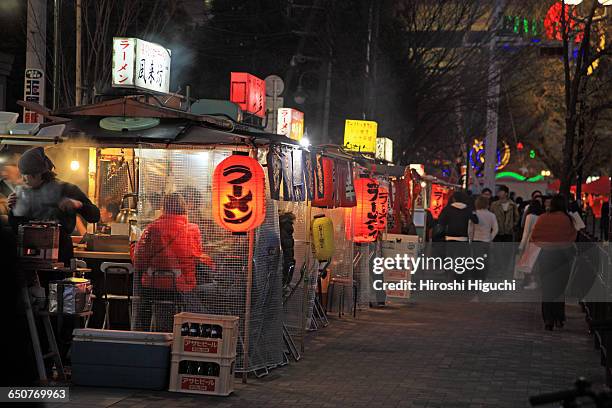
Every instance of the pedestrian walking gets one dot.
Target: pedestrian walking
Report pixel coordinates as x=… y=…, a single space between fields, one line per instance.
x=554 y=234
x=454 y=221
x=483 y=233
x=507 y=215
x=506 y=212
x=533 y=212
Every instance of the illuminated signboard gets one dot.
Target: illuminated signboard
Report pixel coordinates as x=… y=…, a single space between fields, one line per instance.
x=248 y=92
x=360 y=135
x=140 y=64
x=290 y=123
x=384 y=149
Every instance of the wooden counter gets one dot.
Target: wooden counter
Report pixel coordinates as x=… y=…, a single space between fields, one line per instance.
x=79 y=253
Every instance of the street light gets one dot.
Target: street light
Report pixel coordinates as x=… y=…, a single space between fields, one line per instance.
x=300 y=94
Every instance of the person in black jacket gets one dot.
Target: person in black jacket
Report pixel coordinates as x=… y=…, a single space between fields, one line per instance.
x=454 y=220
x=45 y=198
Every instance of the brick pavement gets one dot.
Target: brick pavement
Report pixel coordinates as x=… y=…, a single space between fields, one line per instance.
x=451 y=354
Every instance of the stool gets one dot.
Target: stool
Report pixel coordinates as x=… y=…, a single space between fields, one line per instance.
x=124 y=271
x=343 y=283
x=164 y=297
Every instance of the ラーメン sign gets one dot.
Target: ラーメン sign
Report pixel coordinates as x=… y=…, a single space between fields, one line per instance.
x=140 y=64
x=360 y=135
x=290 y=123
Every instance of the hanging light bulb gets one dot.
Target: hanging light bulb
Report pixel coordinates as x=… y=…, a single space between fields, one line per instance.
x=75 y=165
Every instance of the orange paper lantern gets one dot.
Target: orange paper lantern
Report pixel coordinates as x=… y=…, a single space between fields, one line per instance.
x=366 y=211
x=383 y=207
x=238 y=194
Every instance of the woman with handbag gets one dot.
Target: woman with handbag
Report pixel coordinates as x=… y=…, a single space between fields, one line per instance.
x=555 y=234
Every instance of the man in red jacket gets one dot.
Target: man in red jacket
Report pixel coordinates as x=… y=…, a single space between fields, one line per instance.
x=165 y=258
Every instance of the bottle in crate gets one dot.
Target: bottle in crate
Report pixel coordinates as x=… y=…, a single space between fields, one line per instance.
x=208 y=335
x=212 y=376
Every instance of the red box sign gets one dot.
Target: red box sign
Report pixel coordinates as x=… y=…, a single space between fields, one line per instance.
x=200 y=346
x=198 y=383
x=248 y=92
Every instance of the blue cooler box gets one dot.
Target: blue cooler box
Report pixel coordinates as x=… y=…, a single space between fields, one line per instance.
x=125 y=359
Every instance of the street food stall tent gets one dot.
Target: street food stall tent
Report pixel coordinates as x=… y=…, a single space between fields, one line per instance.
x=179 y=154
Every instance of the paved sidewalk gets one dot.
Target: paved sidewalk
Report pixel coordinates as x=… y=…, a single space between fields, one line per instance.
x=460 y=354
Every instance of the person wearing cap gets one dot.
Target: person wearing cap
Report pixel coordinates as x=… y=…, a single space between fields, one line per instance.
x=46 y=198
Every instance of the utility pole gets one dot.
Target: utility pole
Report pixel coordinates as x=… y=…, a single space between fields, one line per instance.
x=78 y=81
x=36 y=57
x=492 y=101
x=56 y=59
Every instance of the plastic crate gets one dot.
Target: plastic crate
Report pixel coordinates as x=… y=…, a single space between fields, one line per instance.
x=202 y=384
x=188 y=346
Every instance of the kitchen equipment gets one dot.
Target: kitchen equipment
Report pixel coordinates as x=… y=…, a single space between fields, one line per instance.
x=127 y=214
x=39 y=241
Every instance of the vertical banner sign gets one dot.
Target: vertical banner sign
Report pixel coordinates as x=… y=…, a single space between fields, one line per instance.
x=274 y=170
x=290 y=123
x=287 y=163
x=248 y=92
x=34 y=91
x=383 y=207
x=344 y=182
x=360 y=135
x=299 y=191
x=238 y=194
x=366 y=211
x=309 y=177
x=140 y=64
x=438 y=200
x=324 y=182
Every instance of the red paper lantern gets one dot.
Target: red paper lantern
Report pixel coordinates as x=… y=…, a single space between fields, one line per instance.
x=366 y=212
x=438 y=200
x=248 y=92
x=238 y=194
x=324 y=182
x=383 y=207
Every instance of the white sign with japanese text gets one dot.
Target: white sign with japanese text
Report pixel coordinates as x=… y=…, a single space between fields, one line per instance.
x=140 y=64
x=384 y=149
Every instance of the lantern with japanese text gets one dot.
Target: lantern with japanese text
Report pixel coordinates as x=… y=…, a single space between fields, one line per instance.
x=383 y=207
x=438 y=200
x=366 y=211
x=238 y=194
x=323 y=237
x=324 y=177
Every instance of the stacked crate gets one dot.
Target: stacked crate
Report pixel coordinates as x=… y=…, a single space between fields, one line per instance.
x=203 y=354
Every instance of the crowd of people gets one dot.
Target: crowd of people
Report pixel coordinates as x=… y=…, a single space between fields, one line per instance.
x=491 y=226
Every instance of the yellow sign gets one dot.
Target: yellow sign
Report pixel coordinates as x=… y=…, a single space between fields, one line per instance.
x=360 y=135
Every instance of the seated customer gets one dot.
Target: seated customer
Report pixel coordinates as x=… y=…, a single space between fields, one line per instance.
x=165 y=259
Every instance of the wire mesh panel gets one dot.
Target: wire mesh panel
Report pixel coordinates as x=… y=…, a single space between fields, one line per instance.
x=297 y=310
x=341 y=266
x=186 y=262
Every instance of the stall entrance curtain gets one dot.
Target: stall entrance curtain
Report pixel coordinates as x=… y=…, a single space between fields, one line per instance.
x=366 y=211
x=238 y=194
